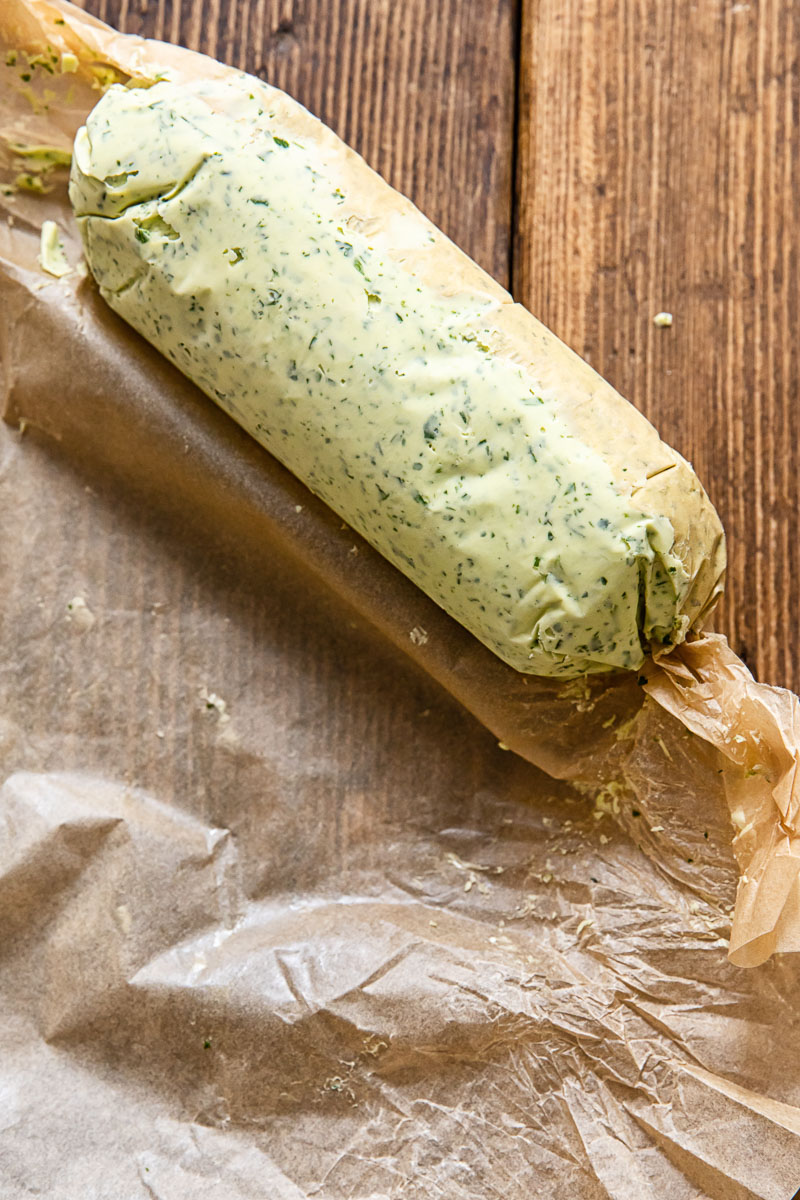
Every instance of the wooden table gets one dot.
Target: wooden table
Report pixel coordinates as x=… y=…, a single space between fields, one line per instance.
x=605 y=159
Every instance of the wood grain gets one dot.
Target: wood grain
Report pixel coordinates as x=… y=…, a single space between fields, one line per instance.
x=659 y=168
x=424 y=91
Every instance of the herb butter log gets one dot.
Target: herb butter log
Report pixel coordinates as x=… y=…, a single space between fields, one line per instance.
x=335 y=323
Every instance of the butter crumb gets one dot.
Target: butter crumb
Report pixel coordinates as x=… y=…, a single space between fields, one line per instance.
x=51 y=251
x=214 y=702
x=79 y=614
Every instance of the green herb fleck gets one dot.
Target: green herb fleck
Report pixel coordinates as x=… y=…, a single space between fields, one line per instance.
x=431 y=428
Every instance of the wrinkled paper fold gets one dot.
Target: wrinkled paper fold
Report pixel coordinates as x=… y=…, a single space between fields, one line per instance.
x=646 y=770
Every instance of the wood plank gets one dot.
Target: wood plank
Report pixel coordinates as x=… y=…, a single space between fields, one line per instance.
x=659 y=168
x=424 y=91
x=307 y=684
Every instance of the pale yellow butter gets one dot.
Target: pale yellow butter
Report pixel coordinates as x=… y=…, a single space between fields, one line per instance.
x=222 y=240
x=51 y=251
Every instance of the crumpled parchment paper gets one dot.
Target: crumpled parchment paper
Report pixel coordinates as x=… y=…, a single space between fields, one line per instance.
x=279 y=917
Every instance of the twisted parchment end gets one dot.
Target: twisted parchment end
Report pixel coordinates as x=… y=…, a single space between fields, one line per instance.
x=757 y=729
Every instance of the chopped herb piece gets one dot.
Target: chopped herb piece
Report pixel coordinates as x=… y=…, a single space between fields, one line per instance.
x=431 y=428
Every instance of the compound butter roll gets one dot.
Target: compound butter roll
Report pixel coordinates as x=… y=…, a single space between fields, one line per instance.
x=363 y=349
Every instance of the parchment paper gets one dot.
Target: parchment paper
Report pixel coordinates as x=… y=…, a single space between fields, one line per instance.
x=280 y=919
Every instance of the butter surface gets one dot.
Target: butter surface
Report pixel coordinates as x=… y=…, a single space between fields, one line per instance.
x=230 y=245
x=52 y=258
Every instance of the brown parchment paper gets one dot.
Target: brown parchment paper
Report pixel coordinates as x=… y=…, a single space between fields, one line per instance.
x=279 y=918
